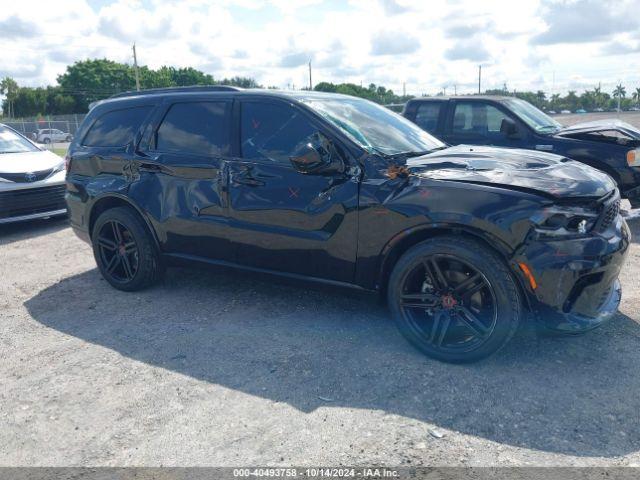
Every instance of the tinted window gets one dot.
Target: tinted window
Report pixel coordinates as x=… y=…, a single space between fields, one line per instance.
x=200 y=128
x=116 y=128
x=272 y=132
x=478 y=119
x=427 y=115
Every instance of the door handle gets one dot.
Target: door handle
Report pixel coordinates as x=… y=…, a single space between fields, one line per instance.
x=245 y=177
x=250 y=181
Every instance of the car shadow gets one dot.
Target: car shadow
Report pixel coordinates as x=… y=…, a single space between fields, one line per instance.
x=15 y=232
x=317 y=347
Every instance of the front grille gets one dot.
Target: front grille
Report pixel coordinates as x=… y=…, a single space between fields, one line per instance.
x=610 y=211
x=26 y=177
x=30 y=201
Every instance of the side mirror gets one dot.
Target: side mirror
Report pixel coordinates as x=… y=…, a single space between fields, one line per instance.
x=508 y=127
x=316 y=155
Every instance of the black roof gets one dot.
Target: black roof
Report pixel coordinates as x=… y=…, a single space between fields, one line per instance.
x=495 y=98
x=194 y=88
x=134 y=96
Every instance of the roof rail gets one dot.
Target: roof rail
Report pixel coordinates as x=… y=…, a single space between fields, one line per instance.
x=194 y=88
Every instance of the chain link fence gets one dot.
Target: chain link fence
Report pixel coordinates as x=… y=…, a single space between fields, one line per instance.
x=47 y=130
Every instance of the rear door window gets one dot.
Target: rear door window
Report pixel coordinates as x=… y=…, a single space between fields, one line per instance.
x=116 y=128
x=427 y=115
x=200 y=128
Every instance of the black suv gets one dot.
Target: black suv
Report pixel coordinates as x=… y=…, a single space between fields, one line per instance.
x=337 y=189
x=609 y=145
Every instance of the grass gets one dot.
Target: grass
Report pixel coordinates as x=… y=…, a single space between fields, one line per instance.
x=59 y=151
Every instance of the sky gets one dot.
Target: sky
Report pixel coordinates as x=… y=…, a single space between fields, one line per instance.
x=423 y=46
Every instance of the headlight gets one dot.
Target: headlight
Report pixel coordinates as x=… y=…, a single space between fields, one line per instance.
x=633 y=157
x=59 y=167
x=558 y=221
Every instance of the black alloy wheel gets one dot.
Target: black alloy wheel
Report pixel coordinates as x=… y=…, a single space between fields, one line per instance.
x=118 y=251
x=454 y=299
x=125 y=250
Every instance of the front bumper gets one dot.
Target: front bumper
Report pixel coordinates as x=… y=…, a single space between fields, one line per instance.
x=21 y=202
x=577 y=279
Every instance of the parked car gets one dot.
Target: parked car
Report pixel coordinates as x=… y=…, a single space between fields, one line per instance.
x=580 y=110
x=611 y=146
x=598 y=110
x=52 y=135
x=336 y=189
x=551 y=112
x=31 y=179
x=565 y=112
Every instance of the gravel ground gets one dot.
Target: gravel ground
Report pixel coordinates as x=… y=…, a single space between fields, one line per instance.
x=220 y=368
x=230 y=369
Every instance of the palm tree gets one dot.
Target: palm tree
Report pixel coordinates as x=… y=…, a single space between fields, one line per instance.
x=554 y=100
x=597 y=93
x=636 y=95
x=619 y=93
x=9 y=87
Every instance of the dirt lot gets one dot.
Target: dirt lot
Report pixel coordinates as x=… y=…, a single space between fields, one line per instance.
x=219 y=368
x=216 y=368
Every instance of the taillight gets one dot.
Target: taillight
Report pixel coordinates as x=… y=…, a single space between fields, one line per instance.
x=633 y=158
x=67 y=162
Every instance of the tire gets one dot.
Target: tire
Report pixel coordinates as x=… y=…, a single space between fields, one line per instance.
x=46 y=141
x=473 y=299
x=131 y=261
x=69 y=138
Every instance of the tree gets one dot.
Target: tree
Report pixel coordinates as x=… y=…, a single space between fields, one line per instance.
x=9 y=88
x=619 y=91
x=90 y=80
x=636 y=95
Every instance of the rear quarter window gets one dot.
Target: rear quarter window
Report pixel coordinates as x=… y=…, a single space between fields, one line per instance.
x=116 y=128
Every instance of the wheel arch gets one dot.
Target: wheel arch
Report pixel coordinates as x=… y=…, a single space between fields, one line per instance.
x=114 y=200
x=403 y=241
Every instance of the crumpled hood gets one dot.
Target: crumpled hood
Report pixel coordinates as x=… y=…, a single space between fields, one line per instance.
x=544 y=173
x=605 y=125
x=28 y=162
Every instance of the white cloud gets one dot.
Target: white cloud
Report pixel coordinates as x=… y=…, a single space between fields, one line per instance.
x=428 y=45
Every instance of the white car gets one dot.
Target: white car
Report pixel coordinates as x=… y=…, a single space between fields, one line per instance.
x=51 y=135
x=32 y=180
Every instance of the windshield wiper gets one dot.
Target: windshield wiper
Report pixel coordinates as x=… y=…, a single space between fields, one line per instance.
x=414 y=154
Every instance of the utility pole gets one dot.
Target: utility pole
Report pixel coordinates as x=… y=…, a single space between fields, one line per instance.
x=135 y=66
x=404 y=89
x=310 y=82
x=455 y=89
x=479 y=78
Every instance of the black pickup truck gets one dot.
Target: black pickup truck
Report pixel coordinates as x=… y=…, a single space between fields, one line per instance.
x=609 y=145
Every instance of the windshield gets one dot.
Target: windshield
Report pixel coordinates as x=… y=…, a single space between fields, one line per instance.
x=11 y=142
x=373 y=127
x=535 y=118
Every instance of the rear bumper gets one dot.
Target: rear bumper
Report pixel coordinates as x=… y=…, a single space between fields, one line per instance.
x=577 y=279
x=78 y=219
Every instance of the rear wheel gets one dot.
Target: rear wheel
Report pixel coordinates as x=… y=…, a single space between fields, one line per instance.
x=454 y=299
x=47 y=140
x=124 y=250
